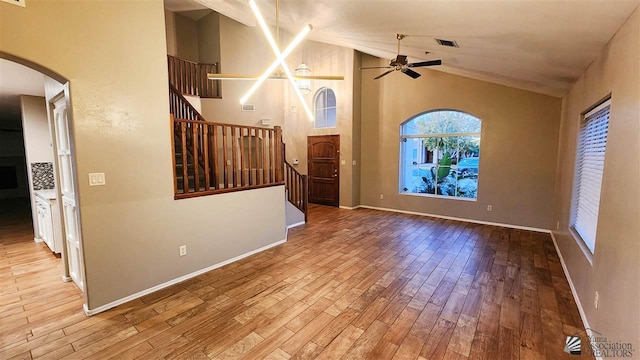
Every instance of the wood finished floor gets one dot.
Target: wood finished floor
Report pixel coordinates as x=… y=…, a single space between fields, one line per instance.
x=351 y=284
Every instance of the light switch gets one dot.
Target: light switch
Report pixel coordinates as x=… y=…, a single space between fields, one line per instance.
x=343 y=162
x=354 y=163
x=96 y=179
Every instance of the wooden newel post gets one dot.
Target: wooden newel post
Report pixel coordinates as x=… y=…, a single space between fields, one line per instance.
x=279 y=154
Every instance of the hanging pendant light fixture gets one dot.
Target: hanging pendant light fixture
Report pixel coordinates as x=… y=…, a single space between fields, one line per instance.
x=303 y=84
x=283 y=70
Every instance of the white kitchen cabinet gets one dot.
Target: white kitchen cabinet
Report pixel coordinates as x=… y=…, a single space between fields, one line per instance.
x=48 y=220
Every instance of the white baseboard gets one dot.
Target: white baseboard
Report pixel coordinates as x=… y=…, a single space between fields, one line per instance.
x=583 y=316
x=99 y=309
x=349 y=207
x=459 y=219
x=295 y=225
x=37 y=240
x=66 y=278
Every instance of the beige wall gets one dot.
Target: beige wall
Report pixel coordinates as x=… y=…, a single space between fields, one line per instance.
x=35 y=127
x=170 y=32
x=518 y=146
x=181 y=34
x=132 y=227
x=37 y=138
x=615 y=271
x=186 y=30
x=357 y=127
x=209 y=38
x=274 y=99
x=239 y=45
x=323 y=59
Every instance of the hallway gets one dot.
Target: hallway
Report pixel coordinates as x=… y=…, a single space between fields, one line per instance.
x=32 y=294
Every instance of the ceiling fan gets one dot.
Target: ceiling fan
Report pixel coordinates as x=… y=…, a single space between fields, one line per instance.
x=400 y=63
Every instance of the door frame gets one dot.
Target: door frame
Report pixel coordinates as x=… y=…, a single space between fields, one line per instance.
x=57 y=94
x=337 y=165
x=64 y=89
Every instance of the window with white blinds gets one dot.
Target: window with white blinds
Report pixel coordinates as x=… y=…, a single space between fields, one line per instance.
x=592 y=143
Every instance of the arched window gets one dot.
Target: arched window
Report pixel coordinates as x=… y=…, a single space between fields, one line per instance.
x=324 y=103
x=440 y=154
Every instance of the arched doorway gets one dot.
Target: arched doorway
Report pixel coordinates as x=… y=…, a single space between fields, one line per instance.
x=56 y=215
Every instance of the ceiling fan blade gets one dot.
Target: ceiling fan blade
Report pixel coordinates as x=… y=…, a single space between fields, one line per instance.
x=383 y=74
x=411 y=73
x=376 y=67
x=425 y=63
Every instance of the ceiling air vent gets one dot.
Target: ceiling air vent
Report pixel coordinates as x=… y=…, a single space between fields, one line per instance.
x=449 y=43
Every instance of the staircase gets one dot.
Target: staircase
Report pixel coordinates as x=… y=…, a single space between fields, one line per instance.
x=212 y=158
x=179 y=170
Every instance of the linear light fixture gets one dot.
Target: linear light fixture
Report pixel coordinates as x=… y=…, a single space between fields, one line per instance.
x=279 y=60
x=280 y=57
x=272 y=77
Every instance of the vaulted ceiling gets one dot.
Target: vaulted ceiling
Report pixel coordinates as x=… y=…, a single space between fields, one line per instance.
x=537 y=45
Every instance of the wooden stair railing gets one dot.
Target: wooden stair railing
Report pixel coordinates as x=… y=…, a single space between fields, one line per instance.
x=297 y=188
x=211 y=158
x=180 y=107
x=190 y=78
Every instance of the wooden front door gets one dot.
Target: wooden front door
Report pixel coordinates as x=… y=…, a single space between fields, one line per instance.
x=323 y=154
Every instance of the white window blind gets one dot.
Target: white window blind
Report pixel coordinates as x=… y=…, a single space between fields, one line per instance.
x=592 y=143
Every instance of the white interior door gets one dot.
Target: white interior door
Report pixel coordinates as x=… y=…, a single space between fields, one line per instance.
x=69 y=204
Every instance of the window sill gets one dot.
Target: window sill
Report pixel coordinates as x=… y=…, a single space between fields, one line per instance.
x=585 y=250
x=437 y=196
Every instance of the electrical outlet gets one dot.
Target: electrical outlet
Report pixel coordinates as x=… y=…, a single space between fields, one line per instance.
x=354 y=163
x=381 y=196
x=228 y=162
x=183 y=250
x=489 y=207
x=596 y=300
